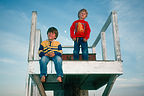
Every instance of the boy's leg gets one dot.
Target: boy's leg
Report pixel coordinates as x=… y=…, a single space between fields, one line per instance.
x=84 y=46
x=43 y=65
x=76 y=50
x=58 y=66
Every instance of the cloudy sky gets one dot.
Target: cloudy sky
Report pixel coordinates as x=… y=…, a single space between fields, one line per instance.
x=15 y=24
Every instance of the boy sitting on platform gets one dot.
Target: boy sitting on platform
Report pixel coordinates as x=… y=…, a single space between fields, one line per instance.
x=51 y=50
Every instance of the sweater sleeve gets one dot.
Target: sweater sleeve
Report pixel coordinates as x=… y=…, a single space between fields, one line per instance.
x=88 y=30
x=41 y=53
x=72 y=29
x=59 y=52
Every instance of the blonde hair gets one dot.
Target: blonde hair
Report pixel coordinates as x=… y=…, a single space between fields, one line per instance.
x=84 y=11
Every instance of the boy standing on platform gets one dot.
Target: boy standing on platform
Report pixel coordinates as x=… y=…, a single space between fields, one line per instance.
x=51 y=50
x=80 y=32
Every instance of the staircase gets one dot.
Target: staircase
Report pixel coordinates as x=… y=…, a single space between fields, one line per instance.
x=79 y=76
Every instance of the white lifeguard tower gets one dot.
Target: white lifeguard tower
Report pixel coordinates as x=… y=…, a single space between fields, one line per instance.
x=79 y=76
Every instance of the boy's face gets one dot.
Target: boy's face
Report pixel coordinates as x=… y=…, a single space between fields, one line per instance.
x=82 y=15
x=51 y=36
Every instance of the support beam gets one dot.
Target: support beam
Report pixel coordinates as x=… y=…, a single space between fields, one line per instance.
x=29 y=94
x=83 y=92
x=35 y=91
x=27 y=86
x=109 y=85
x=32 y=89
x=36 y=79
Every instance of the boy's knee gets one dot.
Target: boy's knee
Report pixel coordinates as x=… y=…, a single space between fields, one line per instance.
x=58 y=58
x=44 y=58
x=85 y=52
x=75 y=52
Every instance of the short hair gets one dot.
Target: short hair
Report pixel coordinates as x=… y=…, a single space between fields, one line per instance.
x=84 y=11
x=53 y=30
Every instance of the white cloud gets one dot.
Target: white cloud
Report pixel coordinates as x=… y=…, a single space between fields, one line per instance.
x=7 y=60
x=129 y=82
x=128 y=87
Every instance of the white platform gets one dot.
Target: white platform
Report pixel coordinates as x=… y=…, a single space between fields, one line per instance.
x=80 y=67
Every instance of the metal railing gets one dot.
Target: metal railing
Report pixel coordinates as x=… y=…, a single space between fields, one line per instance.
x=111 y=19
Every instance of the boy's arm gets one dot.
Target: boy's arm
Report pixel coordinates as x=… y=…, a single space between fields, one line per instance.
x=40 y=52
x=59 y=52
x=88 y=30
x=72 y=29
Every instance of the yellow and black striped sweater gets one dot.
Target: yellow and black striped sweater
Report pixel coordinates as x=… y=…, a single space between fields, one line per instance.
x=50 y=46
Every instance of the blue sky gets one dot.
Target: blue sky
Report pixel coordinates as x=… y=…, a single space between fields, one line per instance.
x=15 y=24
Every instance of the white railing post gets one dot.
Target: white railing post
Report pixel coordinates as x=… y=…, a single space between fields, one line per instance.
x=32 y=36
x=103 y=44
x=38 y=40
x=93 y=50
x=116 y=37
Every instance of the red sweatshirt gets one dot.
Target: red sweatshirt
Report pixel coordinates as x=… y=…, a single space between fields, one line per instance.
x=80 y=28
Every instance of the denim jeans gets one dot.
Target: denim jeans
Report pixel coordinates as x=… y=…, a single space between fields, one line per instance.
x=79 y=41
x=58 y=65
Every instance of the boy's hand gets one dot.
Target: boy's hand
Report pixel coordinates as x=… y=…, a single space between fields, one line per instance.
x=74 y=39
x=47 y=54
x=84 y=40
x=52 y=54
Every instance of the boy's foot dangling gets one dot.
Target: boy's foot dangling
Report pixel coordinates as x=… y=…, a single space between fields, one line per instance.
x=43 y=79
x=59 y=79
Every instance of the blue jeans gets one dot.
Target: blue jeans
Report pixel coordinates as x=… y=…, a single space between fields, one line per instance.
x=79 y=41
x=58 y=65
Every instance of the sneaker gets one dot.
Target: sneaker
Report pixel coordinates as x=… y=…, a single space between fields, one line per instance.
x=43 y=79
x=59 y=79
